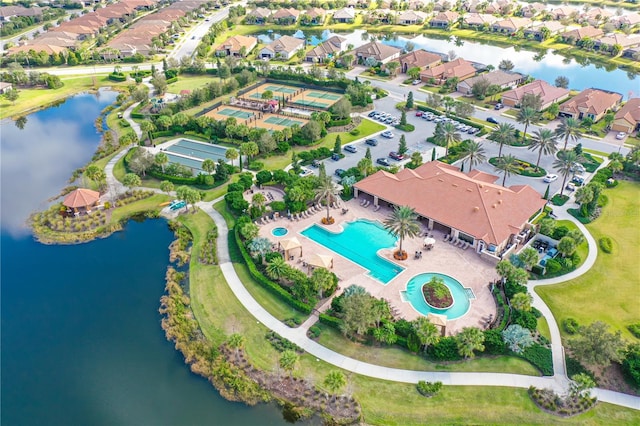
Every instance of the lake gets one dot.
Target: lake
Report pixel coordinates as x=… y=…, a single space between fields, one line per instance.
x=81 y=337
x=545 y=67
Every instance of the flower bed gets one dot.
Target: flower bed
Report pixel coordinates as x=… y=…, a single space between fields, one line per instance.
x=437 y=294
x=523 y=168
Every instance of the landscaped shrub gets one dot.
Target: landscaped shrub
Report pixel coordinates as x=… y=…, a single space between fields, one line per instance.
x=553 y=266
x=606 y=245
x=540 y=357
x=494 y=343
x=331 y=321
x=256 y=165
x=403 y=327
x=560 y=232
x=631 y=365
x=537 y=269
x=428 y=389
x=570 y=325
x=634 y=329
x=314 y=332
x=559 y=200
x=354 y=132
x=281 y=344
x=524 y=319
x=445 y=350
x=574 y=367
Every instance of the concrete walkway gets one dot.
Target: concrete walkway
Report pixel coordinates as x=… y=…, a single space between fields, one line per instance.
x=127 y=116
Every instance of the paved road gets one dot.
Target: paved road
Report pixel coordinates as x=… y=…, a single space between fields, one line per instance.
x=189 y=42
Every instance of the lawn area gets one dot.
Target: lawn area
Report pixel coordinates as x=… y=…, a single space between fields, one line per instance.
x=190 y=82
x=33 y=99
x=397 y=357
x=543 y=327
x=150 y=203
x=609 y=291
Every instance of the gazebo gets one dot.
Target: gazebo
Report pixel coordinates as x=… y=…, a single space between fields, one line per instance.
x=81 y=199
x=290 y=244
x=439 y=321
x=320 y=261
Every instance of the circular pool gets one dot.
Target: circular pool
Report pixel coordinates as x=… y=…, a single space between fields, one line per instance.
x=279 y=231
x=413 y=294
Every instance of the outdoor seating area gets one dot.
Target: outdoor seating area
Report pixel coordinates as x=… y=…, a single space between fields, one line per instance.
x=464 y=245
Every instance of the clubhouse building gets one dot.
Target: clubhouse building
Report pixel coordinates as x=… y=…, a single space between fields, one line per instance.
x=468 y=207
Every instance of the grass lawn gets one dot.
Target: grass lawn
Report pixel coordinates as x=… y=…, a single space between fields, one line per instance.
x=543 y=327
x=190 y=82
x=397 y=357
x=150 y=203
x=583 y=249
x=33 y=99
x=609 y=291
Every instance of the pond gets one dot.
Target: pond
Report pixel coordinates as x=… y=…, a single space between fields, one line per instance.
x=541 y=66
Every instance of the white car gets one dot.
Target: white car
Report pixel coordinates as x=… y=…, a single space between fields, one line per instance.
x=621 y=136
x=305 y=172
x=416 y=82
x=550 y=178
x=387 y=134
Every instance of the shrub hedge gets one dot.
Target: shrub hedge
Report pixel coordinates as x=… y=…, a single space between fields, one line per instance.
x=331 y=321
x=540 y=357
x=606 y=245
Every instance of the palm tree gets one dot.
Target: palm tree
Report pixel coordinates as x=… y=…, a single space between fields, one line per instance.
x=504 y=133
x=288 y=361
x=427 y=332
x=208 y=165
x=365 y=166
x=507 y=165
x=327 y=190
x=469 y=340
x=527 y=116
x=335 y=380
x=474 y=153
x=545 y=142
x=569 y=129
x=231 y=154
x=564 y=164
x=522 y=301
x=447 y=134
x=236 y=342
x=402 y=223
x=166 y=186
x=277 y=268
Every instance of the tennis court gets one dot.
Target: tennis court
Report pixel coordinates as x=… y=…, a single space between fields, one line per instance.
x=235 y=113
x=323 y=95
x=273 y=122
x=310 y=103
x=278 y=91
x=224 y=112
x=285 y=122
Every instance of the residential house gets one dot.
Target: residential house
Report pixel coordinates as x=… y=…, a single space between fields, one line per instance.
x=381 y=53
x=564 y=12
x=627 y=118
x=625 y=41
x=59 y=38
x=537 y=32
x=504 y=79
x=501 y=7
x=444 y=19
x=510 y=25
x=417 y=4
x=532 y=9
x=283 y=48
x=591 y=103
x=479 y=20
x=627 y=20
x=83 y=32
x=8 y=12
x=459 y=68
x=258 y=16
x=411 y=17
x=469 y=207
x=285 y=16
x=595 y=16
x=313 y=16
x=5 y=87
x=441 y=5
x=238 y=46
x=49 y=49
x=574 y=36
x=419 y=59
x=327 y=50
x=344 y=16
x=548 y=94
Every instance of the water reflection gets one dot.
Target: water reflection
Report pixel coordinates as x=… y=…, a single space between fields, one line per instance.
x=39 y=152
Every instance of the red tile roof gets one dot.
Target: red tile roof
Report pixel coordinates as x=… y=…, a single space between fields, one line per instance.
x=81 y=197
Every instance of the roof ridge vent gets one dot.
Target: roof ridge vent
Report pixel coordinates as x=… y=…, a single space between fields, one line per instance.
x=476 y=208
x=469 y=190
x=440 y=180
x=455 y=185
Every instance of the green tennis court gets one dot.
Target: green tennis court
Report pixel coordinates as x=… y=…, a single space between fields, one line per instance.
x=323 y=95
x=315 y=104
x=281 y=89
x=235 y=113
x=285 y=122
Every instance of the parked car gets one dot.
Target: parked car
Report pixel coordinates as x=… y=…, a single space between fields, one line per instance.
x=372 y=142
x=473 y=130
x=416 y=82
x=396 y=156
x=388 y=134
x=389 y=120
x=339 y=172
x=383 y=162
x=305 y=172
x=492 y=120
x=570 y=187
x=351 y=148
x=438 y=120
x=621 y=136
x=335 y=157
x=429 y=117
x=578 y=179
x=315 y=163
x=577 y=168
x=498 y=106
x=371 y=114
x=550 y=178
x=418 y=113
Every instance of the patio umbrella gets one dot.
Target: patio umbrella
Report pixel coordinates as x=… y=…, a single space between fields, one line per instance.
x=439 y=321
x=429 y=241
x=321 y=261
x=290 y=244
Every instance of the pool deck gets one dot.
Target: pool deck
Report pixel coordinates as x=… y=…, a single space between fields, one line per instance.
x=466 y=266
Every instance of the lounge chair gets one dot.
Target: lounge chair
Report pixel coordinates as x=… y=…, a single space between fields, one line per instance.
x=452 y=241
x=461 y=243
x=446 y=238
x=466 y=246
x=376 y=208
x=362 y=203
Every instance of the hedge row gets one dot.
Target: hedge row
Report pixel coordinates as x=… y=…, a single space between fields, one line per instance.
x=161 y=133
x=172 y=80
x=540 y=357
x=117 y=77
x=331 y=321
x=335 y=123
x=271 y=286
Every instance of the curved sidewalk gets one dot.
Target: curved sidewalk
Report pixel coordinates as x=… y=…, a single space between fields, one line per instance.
x=298 y=336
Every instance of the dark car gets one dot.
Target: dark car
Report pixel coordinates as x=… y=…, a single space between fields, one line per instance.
x=383 y=162
x=350 y=148
x=339 y=172
x=315 y=163
x=492 y=120
x=335 y=157
x=371 y=114
x=372 y=142
x=396 y=156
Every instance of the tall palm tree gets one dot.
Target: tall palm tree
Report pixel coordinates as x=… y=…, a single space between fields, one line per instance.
x=236 y=342
x=569 y=129
x=447 y=134
x=289 y=360
x=335 y=381
x=277 y=268
x=564 y=164
x=469 y=340
x=231 y=154
x=507 y=165
x=474 y=153
x=504 y=133
x=527 y=116
x=402 y=222
x=327 y=190
x=544 y=141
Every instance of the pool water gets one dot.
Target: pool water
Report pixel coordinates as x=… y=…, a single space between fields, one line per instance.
x=413 y=294
x=279 y=231
x=359 y=242
x=551 y=253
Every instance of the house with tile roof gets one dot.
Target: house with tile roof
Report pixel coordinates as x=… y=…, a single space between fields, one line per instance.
x=627 y=119
x=564 y=12
x=548 y=94
x=313 y=16
x=419 y=59
x=238 y=46
x=479 y=20
x=591 y=103
x=605 y=43
x=536 y=29
x=411 y=17
x=458 y=68
x=285 y=16
x=470 y=207
x=326 y=50
x=574 y=36
x=444 y=19
x=258 y=16
x=378 y=51
x=532 y=9
x=5 y=87
x=344 y=16
x=8 y=12
x=595 y=16
x=283 y=48
x=504 y=79
x=628 y=20
x=510 y=25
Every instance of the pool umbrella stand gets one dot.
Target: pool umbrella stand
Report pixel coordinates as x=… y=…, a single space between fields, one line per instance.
x=429 y=242
x=290 y=244
x=320 y=261
x=439 y=321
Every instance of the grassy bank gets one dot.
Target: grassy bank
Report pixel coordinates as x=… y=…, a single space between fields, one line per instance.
x=609 y=291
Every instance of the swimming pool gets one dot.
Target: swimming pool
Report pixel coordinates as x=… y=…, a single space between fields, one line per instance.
x=279 y=231
x=359 y=242
x=413 y=294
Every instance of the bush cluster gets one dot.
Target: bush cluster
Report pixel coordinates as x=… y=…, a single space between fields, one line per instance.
x=606 y=245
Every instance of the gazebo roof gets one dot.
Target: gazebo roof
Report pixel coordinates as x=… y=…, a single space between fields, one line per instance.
x=290 y=243
x=320 y=260
x=81 y=197
x=437 y=319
